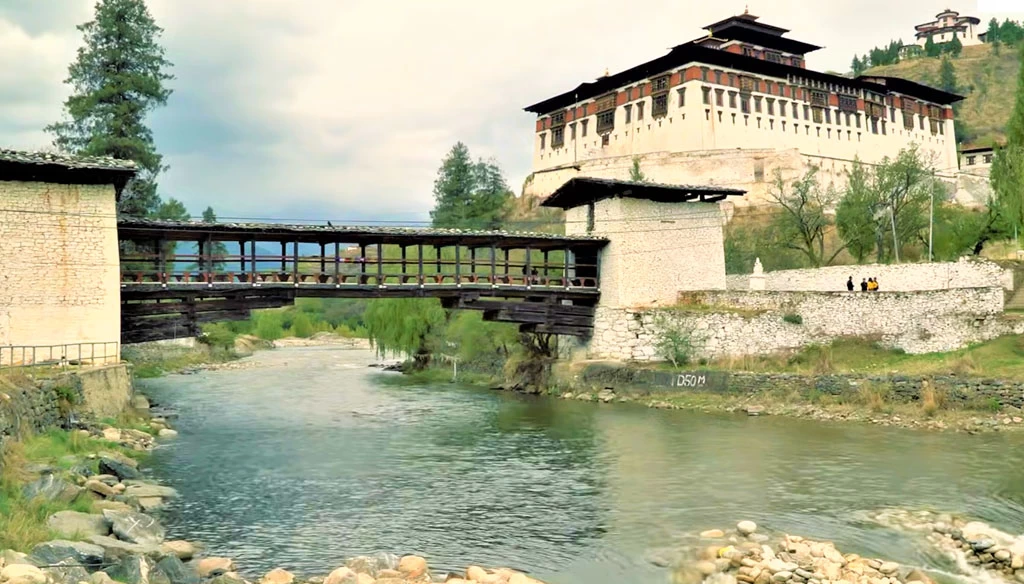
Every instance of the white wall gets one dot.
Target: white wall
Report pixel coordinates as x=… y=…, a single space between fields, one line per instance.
x=59 y=266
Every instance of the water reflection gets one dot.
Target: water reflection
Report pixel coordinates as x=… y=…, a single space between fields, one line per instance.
x=315 y=457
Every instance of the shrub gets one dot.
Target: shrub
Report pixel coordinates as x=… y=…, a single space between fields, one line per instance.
x=219 y=335
x=932 y=400
x=675 y=343
x=269 y=325
x=874 y=395
x=301 y=326
x=792 y=318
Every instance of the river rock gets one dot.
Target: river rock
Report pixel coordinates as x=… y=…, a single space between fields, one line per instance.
x=712 y=533
x=746 y=527
x=100 y=578
x=782 y=576
x=705 y=567
x=118 y=468
x=177 y=572
x=918 y=576
x=208 y=567
x=59 y=550
x=754 y=410
x=1017 y=562
x=51 y=488
x=229 y=578
x=366 y=579
x=412 y=567
x=888 y=568
x=1002 y=555
x=144 y=491
x=147 y=504
x=22 y=574
x=107 y=479
x=982 y=545
x=167 y=433
x=74 y=524
x=100 y=488
x=184 y=550
x=343 y=575
x=476 y=573
x=278 y=576
x=111 y=434
x=130 y=570
x=139 y=402
x=67 y=574
x=135 y=527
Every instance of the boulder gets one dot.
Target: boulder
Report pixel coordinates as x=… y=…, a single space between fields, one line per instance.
x=746 y=527
x=143 y=491
x=754 y=410
x=278 y=576
x=183 y=550
x=59 y=550
x=131 y=570
x=139 y=402
x=100 y=488
x=135 y=527
x=177 y=572
x=209 y=567
x=918 y=576
x=888 y=568
x=107 y=479
x=229 y=578
x=10 y=557
x=51 y=488
x=147 y=504
x=167 y=433
x=712 y=533
x=103 y=505
x=68 y=574
x=365 y=579
x=119 y=469
x=23 y=574
x=412 y=567
x=343 y=575
x=476 y=573
x=100 y=578
x=73 y=524
x=112 y=434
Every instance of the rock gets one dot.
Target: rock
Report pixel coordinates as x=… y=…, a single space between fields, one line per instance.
x=1017 y=562
x=139 y=402
x=111 y=434
x=100 y=488
x=73 y=524
x=982 y=545
x=712 y=533
x=167 y=433
x=58 y=550
x=1002 y=555
x=782 y=576
x=183 y=550
x=746 y=527
x=135 y=527
x=754 y=410
x=148 y=504
x=144 y=491
x=888 y=568
x=103 y=505
x=100 y=578
x=366 y=579
x=209 y=567
x=51 y=488
x=278 y=576
x=606 y=395
x=706 y=568
x=22 y=573
x=131 y=570
x=177 y=572
x=11 y=557
x=119 y=469
x=343 y=575
x=476 y=573
x=107 y=479
x=412 y=567
x=229 y=578
x=803 y=573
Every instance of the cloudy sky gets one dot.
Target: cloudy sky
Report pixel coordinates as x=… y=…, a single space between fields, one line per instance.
x=343 y=109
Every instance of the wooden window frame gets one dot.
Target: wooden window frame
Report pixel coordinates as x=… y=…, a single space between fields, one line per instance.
x=629 y=113
x=659 y=111
x=773 y=57
x=660 y=83
x=819 y=99
x=558 y=137
x=605 y=121
x=682 y=96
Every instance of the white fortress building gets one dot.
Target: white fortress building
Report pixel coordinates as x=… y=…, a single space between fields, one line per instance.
x=949 y=25
x=728 y=110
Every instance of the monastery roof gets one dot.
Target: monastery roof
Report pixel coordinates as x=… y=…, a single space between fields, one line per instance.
x=62 y=169
x=907 y=87
x=975 y=149
x=353 y=234
x=692 y=52
x=582 y=190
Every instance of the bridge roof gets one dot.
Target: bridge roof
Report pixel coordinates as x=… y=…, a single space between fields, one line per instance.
x=45 y=167
x=582 y=190
x=146 y=230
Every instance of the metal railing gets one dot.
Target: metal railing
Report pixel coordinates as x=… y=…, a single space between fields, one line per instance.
x=63 y=356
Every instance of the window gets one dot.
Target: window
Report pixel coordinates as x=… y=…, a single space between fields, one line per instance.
x=629 y=113
x=920 y=119
x=848 y=116
x=745 y=104
x=572 y=131
x=934 y=112
x=883 y=127
x=796 y=111
x=660 y=84
x=908 y=120
x=798 y=62
x=819 y=98
x=605 y=139
x=892 y=114
x=557 y=137
x=757 y=104
x=659 y=105
x=874 y=125
x=583 y=129
x=749 y=52
x=707 y=95
x=732 y=99
x=682 y=96
x=934 y=125
x=828 y=116
x=543 y=139
x=807 y=112
x=782 y=107
x=605 y=121
x=705 y=75
x=773 y=57
x=747 y=84
x=639 y=111
x=988 y=159
x=970 y=160
x=847 y=103
x=818 y=115
x=942 y=131
x=606 y=103
x=718 y=77
x=718 y=97
x=771 y=107
x=858 y=121
x=558 y=119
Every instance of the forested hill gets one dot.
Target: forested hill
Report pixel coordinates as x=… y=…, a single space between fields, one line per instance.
x=987 y=79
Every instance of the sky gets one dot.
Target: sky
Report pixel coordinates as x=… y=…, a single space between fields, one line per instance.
x=344 y=109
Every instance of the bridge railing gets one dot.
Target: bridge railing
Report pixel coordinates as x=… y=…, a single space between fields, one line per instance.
x=62 y=356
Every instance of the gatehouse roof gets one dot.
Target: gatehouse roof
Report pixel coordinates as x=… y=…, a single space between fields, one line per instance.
x=582 y=190
x=17 y=165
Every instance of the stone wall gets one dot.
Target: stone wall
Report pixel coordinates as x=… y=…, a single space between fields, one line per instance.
x=966 y=273
x=727 y=323
x=59 y=270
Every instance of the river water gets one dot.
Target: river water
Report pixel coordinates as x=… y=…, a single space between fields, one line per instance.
x=313 y=457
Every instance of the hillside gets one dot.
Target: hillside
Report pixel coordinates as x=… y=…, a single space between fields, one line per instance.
x=988 y=80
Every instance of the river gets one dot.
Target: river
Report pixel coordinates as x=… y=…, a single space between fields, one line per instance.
x=312 y=457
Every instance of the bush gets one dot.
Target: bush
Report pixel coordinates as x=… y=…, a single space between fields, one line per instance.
x=874 y=395
x=792 y=318
x=301 y=326
x=269 y=325
x=675 y=343
x=932 y=400
x=219 y=335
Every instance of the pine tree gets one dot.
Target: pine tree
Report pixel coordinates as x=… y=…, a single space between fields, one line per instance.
x=469 y=195
x=1007 y=174
x=116 y=80
x=219 y=250
x=992 y=36
x=930 y=48
x=947 y=76
x=955 y=47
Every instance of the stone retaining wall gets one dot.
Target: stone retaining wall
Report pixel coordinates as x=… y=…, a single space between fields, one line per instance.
x=756 y=323
x=966 y=273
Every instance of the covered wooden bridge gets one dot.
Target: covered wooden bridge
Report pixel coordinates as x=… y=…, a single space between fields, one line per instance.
x=178 y=275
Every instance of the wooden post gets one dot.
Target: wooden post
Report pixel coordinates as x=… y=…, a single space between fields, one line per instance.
x=403 y=263
x=162 y=255
x=545 y=263
x=526 y=270
x=200 y=257
x=472 y=261
x=419 y=261
x=252 y=263
x=284 y=256
x=494 y=261
x=565 y=273
x=380 y=263
x=507 y=275
x=458 y=271
x=241 y=252
x=209 y=257
x=362 y=263
x=323 y=259
x=437 y=255
x=295 y=263
x=337 y=262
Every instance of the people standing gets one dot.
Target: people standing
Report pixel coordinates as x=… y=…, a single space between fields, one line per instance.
x=875 y=280
x=849 y=284
x=864 y=285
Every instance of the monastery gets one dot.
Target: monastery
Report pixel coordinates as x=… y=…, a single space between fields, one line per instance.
x=730 y=108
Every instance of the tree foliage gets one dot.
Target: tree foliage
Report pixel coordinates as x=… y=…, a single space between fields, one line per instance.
x=219 y=251
x=1007 y=174
x=947 y=76
x=469 y=195
x=635 y=173
x=1010 y=32
x=116 y=80
x=801 y=224
x=405 y=326
x=931 y=48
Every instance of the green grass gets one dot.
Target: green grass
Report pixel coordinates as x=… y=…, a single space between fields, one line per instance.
x=154 y=361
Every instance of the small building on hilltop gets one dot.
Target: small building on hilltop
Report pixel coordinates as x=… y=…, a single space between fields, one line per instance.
x=59 y=266
x=949 y=25
x=976 y=159
x=730 y=109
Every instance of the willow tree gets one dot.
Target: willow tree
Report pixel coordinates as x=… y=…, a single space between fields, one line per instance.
x=116 y=81
x=405 y=327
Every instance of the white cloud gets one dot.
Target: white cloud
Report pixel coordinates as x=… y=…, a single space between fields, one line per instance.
x=345 y=109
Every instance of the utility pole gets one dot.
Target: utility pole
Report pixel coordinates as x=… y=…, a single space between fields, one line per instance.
x=895 y=243
x=931 y=215
x=575 y=123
